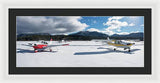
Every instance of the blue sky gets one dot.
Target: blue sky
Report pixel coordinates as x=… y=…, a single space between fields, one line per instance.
x=131 y=23
x=70 y=24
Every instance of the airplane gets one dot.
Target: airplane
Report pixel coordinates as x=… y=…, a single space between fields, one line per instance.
x=119 y=44
x=43 y=45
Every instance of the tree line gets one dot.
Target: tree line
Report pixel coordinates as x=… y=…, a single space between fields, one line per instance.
x=66 y=37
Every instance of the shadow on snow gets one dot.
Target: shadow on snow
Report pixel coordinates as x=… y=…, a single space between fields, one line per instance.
x=109 y=50
x=86 y=45
x=30 y=51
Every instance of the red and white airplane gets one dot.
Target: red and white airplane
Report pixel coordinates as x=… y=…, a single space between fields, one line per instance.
x=43 y=45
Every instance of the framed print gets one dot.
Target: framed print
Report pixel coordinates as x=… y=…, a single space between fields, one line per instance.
x=80 y=41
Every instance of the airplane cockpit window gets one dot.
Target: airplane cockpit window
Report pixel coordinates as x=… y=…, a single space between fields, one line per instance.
x=118 y=42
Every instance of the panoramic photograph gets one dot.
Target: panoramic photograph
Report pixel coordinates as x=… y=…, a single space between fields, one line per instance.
x=80 y=41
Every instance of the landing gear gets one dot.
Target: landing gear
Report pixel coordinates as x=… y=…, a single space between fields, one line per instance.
x=129 y=50
x=35 y=50
x=50 y=50
x=114 y=49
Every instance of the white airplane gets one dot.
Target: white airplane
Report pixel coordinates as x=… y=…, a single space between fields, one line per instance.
x=118 y=44
x=41 y=45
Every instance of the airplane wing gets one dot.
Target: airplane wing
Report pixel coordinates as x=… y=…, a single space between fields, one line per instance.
x=57 y=45
x=30 y=45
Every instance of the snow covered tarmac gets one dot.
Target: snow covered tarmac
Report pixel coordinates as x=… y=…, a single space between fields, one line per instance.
x=80 y=54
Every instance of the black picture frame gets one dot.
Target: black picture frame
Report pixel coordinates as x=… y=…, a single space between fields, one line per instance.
x=13 y=12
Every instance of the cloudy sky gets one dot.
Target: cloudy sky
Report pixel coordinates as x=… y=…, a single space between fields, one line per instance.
x=71 y=24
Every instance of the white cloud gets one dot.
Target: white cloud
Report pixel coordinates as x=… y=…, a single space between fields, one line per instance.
x=135 y=31
x=123 y=33
x=49 y=24
x=133 y=17
x=113 y=23
x=109 y=32
x=105 y=31
x=142 y=25
x=115 y=18
x=93 y=29
x=132 y=24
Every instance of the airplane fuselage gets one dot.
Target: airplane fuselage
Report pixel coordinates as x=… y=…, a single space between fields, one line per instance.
x=40 y=46
x=121 y=45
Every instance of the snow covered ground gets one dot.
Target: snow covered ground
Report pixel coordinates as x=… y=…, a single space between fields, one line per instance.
x=80 y=54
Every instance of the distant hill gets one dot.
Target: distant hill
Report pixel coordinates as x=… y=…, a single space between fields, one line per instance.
x=90 y=34
x=82 y=35
x=129 y=35
x=138 y=35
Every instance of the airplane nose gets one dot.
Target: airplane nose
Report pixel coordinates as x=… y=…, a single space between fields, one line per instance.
x=129 y=44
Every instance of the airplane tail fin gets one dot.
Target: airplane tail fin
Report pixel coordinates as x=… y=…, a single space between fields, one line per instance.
x=50 y=41
x=108 y=38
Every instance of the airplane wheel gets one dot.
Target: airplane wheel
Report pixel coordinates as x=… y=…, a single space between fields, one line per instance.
x=35 y=51
x=50 y=50
x=129 y=50
x=114 y=49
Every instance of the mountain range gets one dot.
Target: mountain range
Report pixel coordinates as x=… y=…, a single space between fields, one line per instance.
x=82 y=35
x=92 y=34
x=138 y=35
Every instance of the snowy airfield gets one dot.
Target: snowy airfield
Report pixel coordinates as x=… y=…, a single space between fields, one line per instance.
x=80 y=54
